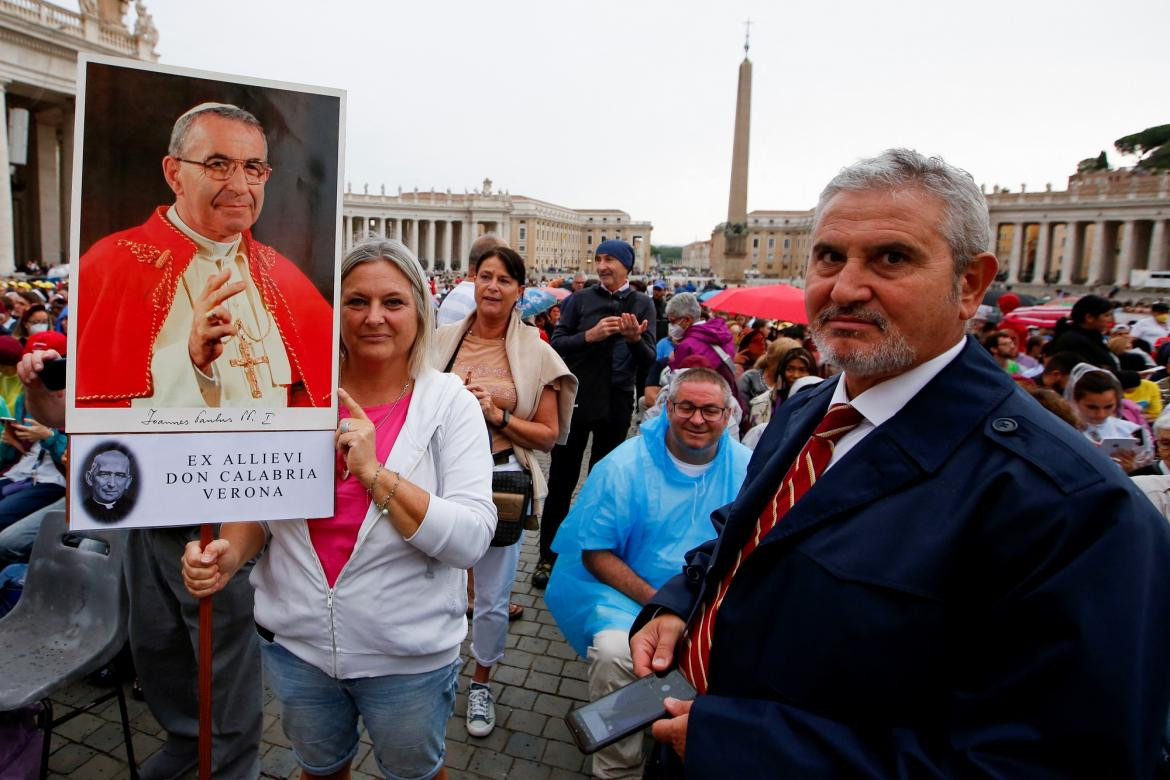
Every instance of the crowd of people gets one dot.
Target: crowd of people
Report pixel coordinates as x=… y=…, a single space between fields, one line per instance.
x=861 y=539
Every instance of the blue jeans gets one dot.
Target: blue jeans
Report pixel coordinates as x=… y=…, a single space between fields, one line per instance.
x=405 y=714
x=16 y=541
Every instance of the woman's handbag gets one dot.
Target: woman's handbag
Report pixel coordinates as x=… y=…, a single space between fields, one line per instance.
x=512 y=495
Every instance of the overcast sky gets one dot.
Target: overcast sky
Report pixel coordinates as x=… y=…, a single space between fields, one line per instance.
x=630 y=105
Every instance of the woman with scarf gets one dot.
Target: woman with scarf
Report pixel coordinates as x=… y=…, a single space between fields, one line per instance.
x=525 y=393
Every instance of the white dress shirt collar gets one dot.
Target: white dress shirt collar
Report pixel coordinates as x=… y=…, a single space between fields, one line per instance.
x=882 y=401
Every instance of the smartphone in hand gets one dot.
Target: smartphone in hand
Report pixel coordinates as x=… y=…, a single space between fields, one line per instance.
x=625 y=711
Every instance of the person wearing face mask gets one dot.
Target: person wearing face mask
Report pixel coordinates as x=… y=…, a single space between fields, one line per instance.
x=1156 y=327
x=35 y=320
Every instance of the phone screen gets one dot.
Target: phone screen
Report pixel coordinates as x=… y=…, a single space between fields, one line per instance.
x=626 y=710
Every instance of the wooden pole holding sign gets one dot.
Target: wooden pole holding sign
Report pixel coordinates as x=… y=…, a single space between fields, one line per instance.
x=206 y=534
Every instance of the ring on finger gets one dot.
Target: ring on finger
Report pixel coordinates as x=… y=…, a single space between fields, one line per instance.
x=212 y=316
x=344 y=427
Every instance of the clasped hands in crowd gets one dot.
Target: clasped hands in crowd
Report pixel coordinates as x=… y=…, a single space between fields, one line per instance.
x=626 y=324
x=652 y=650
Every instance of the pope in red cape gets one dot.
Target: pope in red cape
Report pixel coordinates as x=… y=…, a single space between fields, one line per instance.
x=204 y=315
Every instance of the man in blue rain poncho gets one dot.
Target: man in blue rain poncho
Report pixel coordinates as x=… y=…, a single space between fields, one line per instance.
x=641 y=509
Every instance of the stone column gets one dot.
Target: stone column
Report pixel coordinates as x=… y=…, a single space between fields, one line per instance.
x=344 y=234
x=1072 y=252
x=1040 y=268
x=1128 y=251
x=1097 y=254
x=431 y=244
x=48 y=185
x=414 y=236
x=1017 y=255
x=448 y=228
x=66 y=189
x=1157 y=261
x=7 y=235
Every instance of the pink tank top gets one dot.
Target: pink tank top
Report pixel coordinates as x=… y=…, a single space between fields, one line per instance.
x=334 y=537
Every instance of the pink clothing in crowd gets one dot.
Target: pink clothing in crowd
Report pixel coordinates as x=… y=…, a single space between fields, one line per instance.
x=334 y=537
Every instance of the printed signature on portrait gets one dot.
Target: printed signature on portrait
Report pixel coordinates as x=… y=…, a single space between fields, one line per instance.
x=155 y=418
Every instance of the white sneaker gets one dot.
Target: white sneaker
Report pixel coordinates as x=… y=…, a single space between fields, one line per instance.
x=481 y=710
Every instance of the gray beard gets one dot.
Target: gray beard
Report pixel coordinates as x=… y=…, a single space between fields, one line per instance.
x=892 y=355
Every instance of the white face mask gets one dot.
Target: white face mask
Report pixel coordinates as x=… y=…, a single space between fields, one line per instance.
x=38 y=328
x=675 y=331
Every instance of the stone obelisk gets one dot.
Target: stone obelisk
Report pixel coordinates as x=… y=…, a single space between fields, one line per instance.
x=736 y=230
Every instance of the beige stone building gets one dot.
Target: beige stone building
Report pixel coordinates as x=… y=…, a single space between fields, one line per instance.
x=697 y=255
x=440 y=226
x=39 y=44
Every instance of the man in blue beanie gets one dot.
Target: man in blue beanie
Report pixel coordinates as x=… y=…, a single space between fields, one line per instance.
x=605 y=334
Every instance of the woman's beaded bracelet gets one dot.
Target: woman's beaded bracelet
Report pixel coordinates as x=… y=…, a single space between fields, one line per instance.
x=374 y=481
x=383 y=507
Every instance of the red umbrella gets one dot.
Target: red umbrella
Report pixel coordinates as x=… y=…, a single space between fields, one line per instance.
x=1038 y=316
x=771 y=301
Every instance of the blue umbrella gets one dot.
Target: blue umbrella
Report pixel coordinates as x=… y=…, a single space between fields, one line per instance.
x=535 y=301
x=708 y=295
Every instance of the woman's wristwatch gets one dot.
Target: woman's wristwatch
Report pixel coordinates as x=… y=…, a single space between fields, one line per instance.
x=504 y=420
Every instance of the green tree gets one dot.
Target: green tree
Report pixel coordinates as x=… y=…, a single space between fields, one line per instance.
x=1151 y=146
x=1098 y=163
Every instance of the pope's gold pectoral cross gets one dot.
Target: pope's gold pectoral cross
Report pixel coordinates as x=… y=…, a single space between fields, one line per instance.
x=249 y=363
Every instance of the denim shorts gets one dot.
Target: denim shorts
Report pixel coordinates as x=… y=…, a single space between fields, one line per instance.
x=405 y=714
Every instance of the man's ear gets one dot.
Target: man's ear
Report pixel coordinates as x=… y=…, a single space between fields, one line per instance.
x=973 y=284
x=170 y=168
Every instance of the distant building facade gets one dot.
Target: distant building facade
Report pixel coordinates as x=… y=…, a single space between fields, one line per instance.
x=440 y=226
x=39 y=44
x=697 y=255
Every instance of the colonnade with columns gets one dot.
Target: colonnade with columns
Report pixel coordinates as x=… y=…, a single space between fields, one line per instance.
x=438 y=243
x=1081 y=251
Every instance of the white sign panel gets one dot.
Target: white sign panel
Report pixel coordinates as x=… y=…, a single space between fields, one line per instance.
x=162 y=480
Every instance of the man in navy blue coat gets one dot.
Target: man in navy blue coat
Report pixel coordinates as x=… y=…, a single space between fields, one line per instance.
x=968 y=589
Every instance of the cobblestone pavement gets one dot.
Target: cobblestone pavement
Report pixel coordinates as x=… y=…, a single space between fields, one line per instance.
x=539 y=680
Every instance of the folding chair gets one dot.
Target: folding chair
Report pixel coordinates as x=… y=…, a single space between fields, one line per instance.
x=69 y=622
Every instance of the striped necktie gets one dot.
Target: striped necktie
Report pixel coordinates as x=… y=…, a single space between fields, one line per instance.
x=802 y=475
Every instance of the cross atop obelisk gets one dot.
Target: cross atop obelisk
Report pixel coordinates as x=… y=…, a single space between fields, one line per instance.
x=747 y=37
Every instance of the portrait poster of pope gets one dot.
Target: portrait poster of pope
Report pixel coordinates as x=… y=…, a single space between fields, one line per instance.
x=205 y=252
x=206 y=231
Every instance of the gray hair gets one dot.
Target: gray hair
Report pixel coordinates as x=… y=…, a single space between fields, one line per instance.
x=1162 y=423
x=184 y=123
x=698 y=374
x=392 y=251
x=966 y=227
x=683 y=305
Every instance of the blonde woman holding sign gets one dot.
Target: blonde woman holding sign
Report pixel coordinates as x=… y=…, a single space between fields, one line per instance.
x=363 y=613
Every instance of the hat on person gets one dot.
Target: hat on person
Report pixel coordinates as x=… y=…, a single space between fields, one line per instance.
x=10 y=351
x=49 y=339
x=619 y=250
x=1160 y=306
